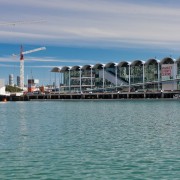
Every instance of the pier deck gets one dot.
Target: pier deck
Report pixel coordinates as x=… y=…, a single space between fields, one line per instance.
x=105 y=95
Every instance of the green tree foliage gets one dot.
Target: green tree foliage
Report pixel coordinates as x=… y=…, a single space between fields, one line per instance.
x=13 y=89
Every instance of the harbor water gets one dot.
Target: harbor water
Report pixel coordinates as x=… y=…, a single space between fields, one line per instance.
x=125 y=139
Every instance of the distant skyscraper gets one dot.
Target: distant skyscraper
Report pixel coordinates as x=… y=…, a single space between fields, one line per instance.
x=11 y=80
x=18 y=81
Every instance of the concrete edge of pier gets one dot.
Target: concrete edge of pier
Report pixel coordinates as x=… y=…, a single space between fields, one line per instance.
x=94 y=96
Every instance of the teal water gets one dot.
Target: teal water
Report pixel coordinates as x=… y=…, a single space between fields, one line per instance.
x=90 y=140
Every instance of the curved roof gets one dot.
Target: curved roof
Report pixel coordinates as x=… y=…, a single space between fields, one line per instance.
x=98 y=66
x=151 y=61
x=110 y=64
x=87 y=67
x=65 y=68
x=137 y=63
x=56 y=69
x=123 y=64
x=167 y=60
x=75 y=68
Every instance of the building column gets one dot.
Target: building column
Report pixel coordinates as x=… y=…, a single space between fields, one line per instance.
x=55 y=80
x=174 y=76
x=143 y=76
x=59 y=82
x=103 y=77
x=62 y=80
x=116 y=76
x=158 y=76
x=120 y=74
x=80 y=83
x=50 y=78
x=69 y=80
x=129 y=78
x=91 y=78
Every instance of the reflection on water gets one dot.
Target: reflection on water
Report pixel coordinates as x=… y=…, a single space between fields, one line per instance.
x=90 y=140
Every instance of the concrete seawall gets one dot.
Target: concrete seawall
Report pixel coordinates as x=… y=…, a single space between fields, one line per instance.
x=123 y=95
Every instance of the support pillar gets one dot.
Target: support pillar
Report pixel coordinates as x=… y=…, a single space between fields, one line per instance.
x=116 y=77
x=91 y=78
x=118 y=96
x=162 y=95
x=112 y=96
x=69 y=80
x=143 y=76
x=59 y=82
x=80 y=83
x=103 y=77
x=174 y=77
x=144 y=95
x=158 y=76
x=129 y=78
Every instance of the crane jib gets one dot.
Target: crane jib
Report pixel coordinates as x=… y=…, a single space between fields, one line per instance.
x=34 y=50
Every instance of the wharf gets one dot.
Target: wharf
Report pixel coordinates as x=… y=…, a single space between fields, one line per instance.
x=105 y=95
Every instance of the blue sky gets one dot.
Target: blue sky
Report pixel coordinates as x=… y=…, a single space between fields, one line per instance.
x=78 y=32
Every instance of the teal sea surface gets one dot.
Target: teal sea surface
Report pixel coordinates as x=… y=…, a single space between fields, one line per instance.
x=125 y=139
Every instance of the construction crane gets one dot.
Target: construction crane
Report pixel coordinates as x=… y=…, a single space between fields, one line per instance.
x=14 y=23
x=22 y=62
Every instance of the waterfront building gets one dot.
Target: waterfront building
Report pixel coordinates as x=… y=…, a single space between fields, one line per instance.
x=138 y=75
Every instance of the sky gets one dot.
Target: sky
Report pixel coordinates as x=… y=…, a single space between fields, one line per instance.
x=79 y=32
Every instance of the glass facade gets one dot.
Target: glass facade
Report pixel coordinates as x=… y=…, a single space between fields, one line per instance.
x=123 y=71
x=151 y=72
x=137 y=72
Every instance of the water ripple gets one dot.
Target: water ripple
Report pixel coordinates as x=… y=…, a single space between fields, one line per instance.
x=90 y=140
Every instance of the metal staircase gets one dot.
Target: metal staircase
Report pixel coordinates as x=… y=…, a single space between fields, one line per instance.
x=112 y=78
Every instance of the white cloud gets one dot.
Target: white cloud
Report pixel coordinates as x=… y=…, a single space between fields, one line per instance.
x=44 y=60
x=8 y=59
x=8 y=65
x=39 y=66
x=93 y=23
